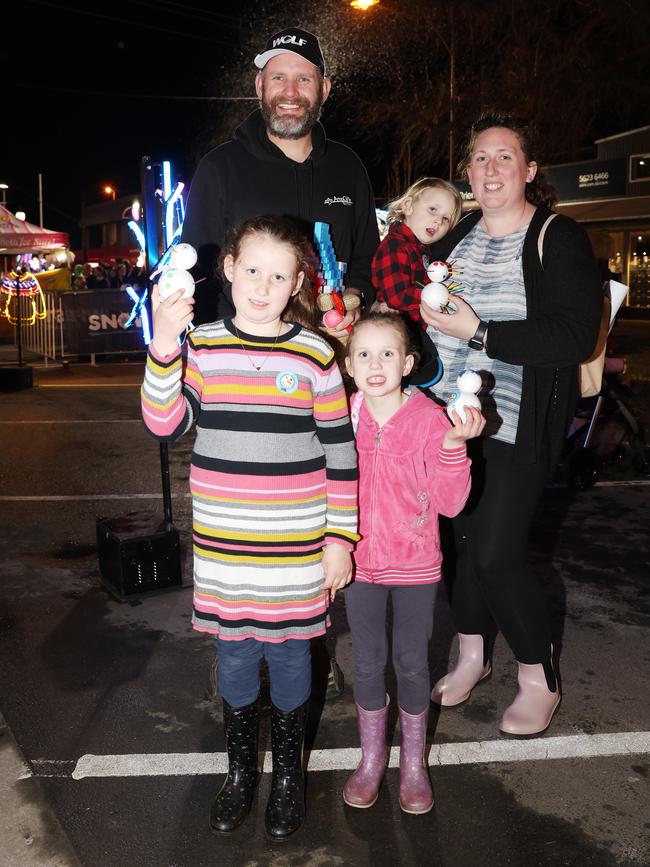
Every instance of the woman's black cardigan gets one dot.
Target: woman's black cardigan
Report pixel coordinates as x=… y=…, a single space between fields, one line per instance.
x=564 y=299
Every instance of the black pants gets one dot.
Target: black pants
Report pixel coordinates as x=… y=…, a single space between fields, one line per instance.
x=492 y=589
x=412 y=616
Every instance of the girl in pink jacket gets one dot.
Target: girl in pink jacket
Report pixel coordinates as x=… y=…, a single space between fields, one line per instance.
x=413 y=466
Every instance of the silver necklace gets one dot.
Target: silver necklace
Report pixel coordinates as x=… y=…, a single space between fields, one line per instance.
x=266 y=357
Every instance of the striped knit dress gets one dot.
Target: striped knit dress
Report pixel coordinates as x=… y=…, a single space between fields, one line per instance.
x=273 y=475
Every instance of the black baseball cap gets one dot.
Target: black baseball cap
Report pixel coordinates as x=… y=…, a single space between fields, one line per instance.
x=293 y=41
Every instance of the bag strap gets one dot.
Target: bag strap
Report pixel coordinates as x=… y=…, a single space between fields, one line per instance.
x=540 y=239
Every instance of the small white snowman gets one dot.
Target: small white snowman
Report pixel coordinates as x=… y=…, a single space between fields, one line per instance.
x=172 y=280
x=439 y=292
x=175 y=273
x=182 y=256
x=468 y=384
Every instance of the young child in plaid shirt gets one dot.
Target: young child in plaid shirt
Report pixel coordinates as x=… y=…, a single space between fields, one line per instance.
x=418 y=218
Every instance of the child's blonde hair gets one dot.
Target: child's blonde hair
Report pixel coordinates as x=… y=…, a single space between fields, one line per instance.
x=396 y=207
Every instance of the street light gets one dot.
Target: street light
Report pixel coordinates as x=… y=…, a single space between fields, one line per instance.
x=110 y=191
x=4 y=188
x=363 y=4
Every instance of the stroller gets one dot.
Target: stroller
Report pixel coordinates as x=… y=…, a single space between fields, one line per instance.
x=606 y=434
x=605 y=430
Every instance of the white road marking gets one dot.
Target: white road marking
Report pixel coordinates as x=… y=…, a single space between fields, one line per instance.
x=622 y=483
x=89 y=384
x=63 y=498
x=72 y=497
x=465 y=753
x=76 y=421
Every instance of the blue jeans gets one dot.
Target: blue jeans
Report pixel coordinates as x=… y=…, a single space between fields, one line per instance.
x=289 y=664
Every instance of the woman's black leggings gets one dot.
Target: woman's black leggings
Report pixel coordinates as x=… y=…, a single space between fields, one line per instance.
x=492 y=588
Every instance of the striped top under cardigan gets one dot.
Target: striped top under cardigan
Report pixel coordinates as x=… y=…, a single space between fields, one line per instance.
x=273 y=475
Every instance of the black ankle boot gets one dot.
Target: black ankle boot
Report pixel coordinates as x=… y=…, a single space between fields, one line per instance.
x=233 y=803
x=285 y=811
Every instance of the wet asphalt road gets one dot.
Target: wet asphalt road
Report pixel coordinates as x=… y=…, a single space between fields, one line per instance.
x=85 y=674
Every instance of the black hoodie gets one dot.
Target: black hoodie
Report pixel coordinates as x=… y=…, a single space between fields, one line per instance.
x=249 y=176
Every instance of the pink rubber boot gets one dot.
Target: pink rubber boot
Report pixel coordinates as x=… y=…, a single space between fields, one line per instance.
x=455 y=687
x=362 y=789
x=415 y=794
x=532 y=710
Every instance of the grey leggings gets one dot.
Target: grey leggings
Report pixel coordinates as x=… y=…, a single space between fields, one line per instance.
x=366 y=606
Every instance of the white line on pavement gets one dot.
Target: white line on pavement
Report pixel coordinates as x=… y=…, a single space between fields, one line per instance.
x=622 y=483
x=76 y=421
x=466 y=753
x=72 y=497
x=89 y=384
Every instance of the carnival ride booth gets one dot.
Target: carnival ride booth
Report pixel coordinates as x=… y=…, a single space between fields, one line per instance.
x=22 y=302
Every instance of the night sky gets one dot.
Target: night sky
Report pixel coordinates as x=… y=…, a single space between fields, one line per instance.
x=140 y=80
x=86 y=109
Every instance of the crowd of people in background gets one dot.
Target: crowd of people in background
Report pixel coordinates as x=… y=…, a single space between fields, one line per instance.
x=107 y=275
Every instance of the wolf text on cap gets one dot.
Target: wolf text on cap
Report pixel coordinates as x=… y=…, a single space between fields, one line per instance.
x=293 y=41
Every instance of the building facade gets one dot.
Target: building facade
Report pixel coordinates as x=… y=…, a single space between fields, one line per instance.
x=610 y=197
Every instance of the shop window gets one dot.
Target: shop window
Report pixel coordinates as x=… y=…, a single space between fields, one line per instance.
x=640 y=167
x=94 y=236
x=110 y=235
x=639 y=270
x=616 y=261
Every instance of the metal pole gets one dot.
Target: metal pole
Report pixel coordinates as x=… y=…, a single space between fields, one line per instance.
x=166 y=486
x=40 y=199
x=592 y=423
x=148 y=177
x=19 y=336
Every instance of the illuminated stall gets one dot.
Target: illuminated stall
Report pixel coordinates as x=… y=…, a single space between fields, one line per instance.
x=22 y=302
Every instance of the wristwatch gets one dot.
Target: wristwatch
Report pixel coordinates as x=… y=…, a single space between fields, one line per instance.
x=477 y=341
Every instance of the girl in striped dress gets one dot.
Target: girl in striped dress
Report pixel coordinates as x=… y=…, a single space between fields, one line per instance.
x=274 y=489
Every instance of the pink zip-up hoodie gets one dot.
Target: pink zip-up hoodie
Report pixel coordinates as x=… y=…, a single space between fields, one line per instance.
x=406 y=479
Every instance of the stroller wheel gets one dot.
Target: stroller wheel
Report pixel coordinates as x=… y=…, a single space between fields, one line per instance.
x=641 y=461
x=581 y=469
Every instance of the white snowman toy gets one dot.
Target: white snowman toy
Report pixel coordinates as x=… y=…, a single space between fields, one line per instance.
x=438 y=292
x=468 y=384
x=175 y=275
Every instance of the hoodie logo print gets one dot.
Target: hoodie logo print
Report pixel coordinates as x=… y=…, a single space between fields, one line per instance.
x=338 y=200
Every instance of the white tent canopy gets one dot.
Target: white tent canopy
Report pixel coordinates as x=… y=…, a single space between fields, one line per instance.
x=19 y=236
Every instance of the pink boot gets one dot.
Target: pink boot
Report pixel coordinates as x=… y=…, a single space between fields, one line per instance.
x=362 y=789
x=455 y=687
x=532 y=710
x=415 y=795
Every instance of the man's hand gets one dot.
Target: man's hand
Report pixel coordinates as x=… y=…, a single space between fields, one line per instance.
x=337 y=568
x=170 y=319
x=341 y=331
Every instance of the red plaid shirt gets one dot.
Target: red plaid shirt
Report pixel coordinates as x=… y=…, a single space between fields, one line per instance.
x=396 y=266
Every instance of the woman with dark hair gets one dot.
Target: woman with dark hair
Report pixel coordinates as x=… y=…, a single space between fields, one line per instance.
x=528 y=315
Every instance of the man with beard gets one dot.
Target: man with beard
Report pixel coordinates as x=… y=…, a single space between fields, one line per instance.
x=279 y=161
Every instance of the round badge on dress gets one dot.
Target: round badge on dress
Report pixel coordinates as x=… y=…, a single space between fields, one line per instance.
x=286 y=381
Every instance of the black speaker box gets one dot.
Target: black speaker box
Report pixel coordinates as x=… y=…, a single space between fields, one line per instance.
x=16 y=378
x=138 y=555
